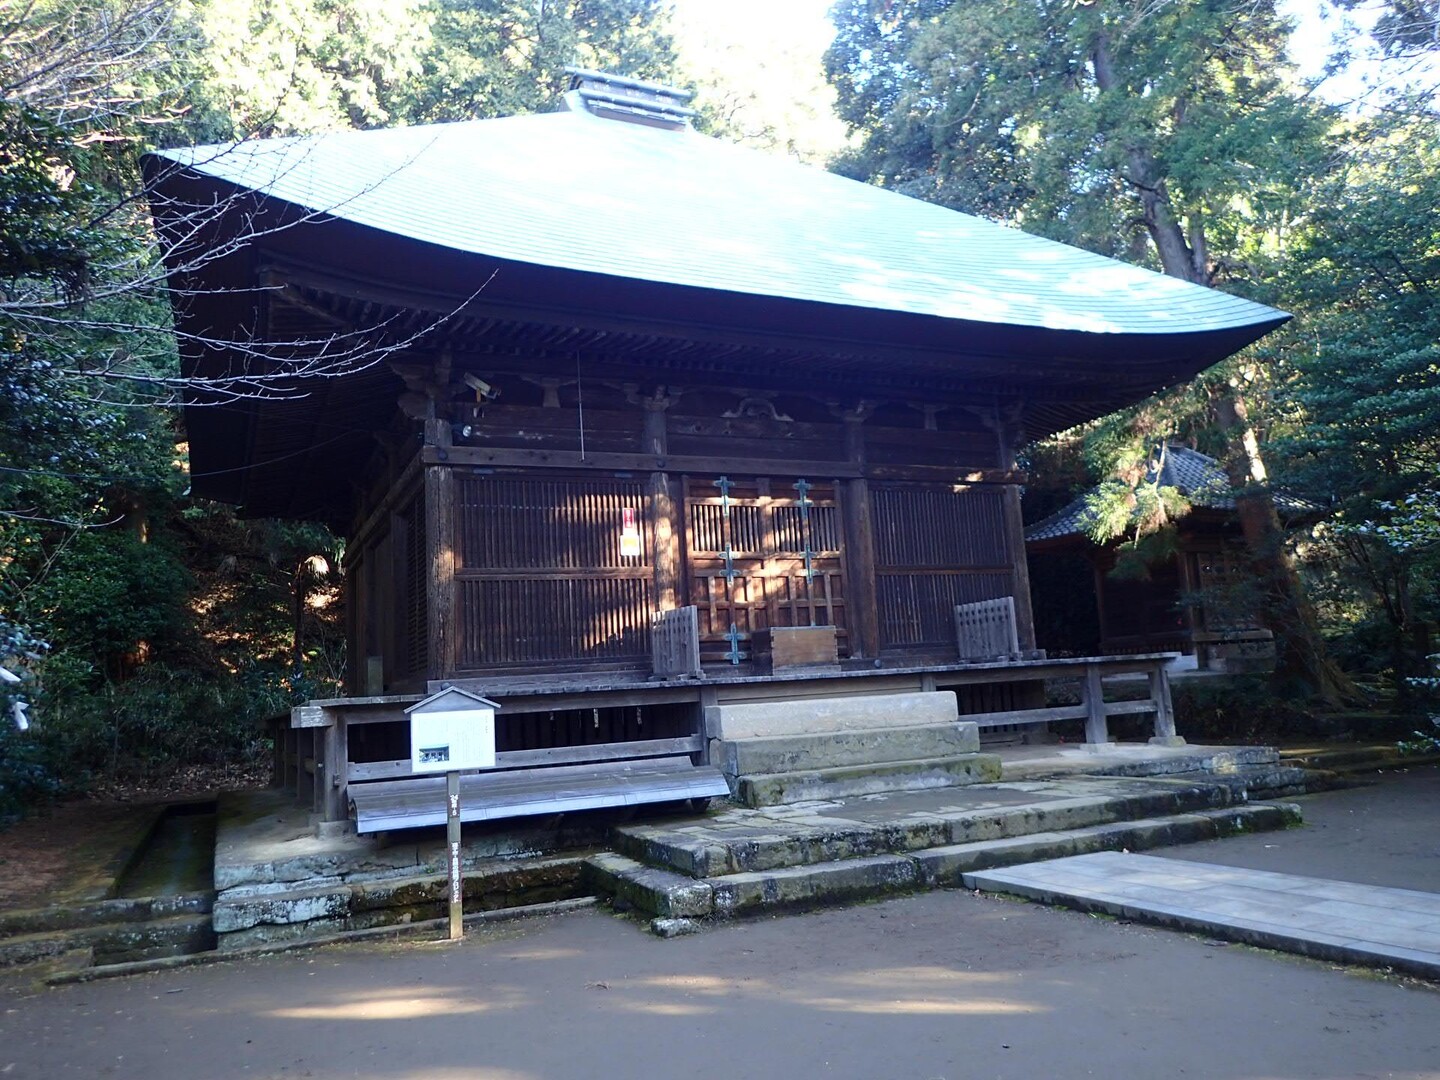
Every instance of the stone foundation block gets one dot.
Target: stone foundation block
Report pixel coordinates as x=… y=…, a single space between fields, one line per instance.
x=654 y=892
x=806 y=886
x=791 y=753
x=819 y=716
x=774 y=789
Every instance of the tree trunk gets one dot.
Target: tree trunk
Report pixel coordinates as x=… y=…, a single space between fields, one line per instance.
x=1181 y=259
x=1300 y=650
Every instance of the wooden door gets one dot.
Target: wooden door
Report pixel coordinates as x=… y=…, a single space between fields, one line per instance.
x=760 y=553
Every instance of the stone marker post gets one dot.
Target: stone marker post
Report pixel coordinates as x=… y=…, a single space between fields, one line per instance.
x=452 y=837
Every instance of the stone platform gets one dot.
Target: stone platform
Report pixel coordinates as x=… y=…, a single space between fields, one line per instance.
x=745 y=861
x=1329 y=920
x=276 y=880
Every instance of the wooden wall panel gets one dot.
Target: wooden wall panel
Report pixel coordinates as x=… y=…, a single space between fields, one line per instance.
x=945 y=527
x=543 y=620
x=917 y=609
x=936 y=547
x=532 y=523
x=413 y=647
x=748 y=437
x=961 y=449
x=527 y=427
x=541 y=575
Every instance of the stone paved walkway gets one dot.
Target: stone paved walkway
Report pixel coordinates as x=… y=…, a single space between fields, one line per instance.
x=1329 y=920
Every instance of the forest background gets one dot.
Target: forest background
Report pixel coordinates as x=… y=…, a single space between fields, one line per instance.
x=152 y=631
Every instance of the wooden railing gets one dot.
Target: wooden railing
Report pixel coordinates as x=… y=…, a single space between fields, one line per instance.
x=316 y=759
x=1093 y=708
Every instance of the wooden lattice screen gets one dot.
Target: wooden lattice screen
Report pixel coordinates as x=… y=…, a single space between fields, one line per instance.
x=936 y=548
x=675 y=643
x=985 y=630
x=543 y=578
x=757 y=558
x=414 y=627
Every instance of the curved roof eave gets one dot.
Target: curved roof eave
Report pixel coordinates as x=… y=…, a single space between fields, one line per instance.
x=574 y=192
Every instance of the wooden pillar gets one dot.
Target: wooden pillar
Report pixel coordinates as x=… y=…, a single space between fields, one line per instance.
x=1010 y=433
x=353 y=602
x=440 y=599
x=665 y=524
x=1165 y=734
x=331 y=770
x=1186 y=561
x=1020 y=574
x=278 y=727
x=304 y=777
x=1097 y=732
x=862 y=595
x=397 y=647
x=1099 y=574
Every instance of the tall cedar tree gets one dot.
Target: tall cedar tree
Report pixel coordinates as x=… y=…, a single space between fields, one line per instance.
x=1164 y=133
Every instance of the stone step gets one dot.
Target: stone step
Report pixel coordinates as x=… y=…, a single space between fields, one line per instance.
x=832 y=713
x=742 y=842
x=1351 y=759
x=109 y=942
x=816 y=885
x=676 y=900
x=101 y=912
x=633 y=886
x=175 y=935
x=20 y=949
x=806 y=753
x=1067 y=759
x=843 y=782
x=265 y=914
x=1210 y=760
x=944 y=866
x=1272 y=780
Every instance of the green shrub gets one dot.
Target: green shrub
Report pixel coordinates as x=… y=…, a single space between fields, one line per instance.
x=27 y=775
x=1240 y=708
x=162 y=718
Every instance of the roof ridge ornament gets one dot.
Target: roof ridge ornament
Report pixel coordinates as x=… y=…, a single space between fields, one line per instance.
x=617 y=97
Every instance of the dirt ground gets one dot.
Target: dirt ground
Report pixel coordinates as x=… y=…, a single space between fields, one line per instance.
x=942 y=985
x=68 y=851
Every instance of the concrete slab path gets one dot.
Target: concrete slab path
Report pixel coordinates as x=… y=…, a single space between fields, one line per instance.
x=1329 y=920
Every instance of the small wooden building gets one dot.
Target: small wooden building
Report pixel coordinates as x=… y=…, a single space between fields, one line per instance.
x=1197 y=598
x=606 y=369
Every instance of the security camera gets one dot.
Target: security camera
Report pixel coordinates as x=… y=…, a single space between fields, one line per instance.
x=483 y=390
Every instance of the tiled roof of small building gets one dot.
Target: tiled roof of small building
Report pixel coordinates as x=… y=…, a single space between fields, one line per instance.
x=1195 y=475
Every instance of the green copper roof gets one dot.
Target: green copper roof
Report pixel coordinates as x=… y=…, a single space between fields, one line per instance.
x=580 y=192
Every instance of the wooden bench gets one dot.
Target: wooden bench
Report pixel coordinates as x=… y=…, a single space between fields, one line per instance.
x=382 y=795
x=624 y=772
x=380 y=806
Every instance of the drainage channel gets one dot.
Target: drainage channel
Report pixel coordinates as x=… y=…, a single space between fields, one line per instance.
x=173 y=874
x=178 y=857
